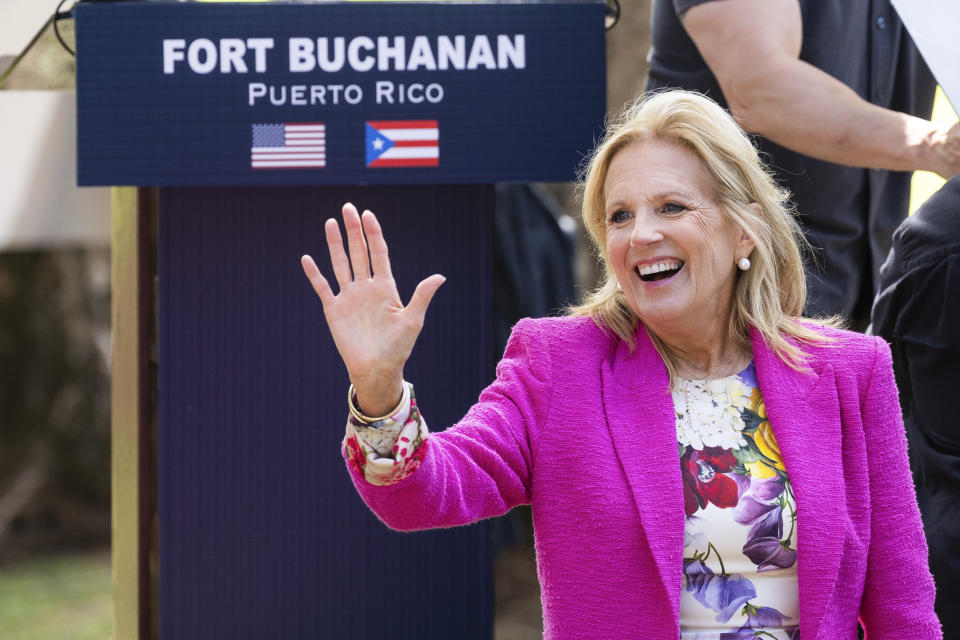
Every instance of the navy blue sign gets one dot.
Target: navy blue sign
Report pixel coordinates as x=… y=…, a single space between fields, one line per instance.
x=307 y=94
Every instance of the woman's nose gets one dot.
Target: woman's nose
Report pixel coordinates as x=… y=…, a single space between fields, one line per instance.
x=645 y=232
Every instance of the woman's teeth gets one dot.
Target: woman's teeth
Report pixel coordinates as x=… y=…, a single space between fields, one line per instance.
x=658 y=270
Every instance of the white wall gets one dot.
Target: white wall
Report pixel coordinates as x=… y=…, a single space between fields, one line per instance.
x=40 y=204
x=20 y=20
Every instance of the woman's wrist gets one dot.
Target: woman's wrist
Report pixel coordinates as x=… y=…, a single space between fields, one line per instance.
x=387 y=451
x=373 y=408
x=377 y=397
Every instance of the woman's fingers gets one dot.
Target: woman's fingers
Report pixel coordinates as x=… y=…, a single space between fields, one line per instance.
x=376 y=244
x=423 y=294
x=338 y=257
x=356 y=242
x=319 y=283
x=360 y=248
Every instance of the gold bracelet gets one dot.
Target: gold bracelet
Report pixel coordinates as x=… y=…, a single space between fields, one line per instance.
x=367 y=419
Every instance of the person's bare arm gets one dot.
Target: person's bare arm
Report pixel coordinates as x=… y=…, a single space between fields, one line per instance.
x=753 y=48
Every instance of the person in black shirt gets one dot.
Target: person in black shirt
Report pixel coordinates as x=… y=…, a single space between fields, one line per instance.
x=834 y=88
x=918 y=312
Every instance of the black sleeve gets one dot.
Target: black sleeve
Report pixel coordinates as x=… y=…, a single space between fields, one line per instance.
x=918 y=311
x=928 y=338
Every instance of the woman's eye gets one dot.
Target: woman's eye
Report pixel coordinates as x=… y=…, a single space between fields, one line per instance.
x=673 y=207
x=619 y=215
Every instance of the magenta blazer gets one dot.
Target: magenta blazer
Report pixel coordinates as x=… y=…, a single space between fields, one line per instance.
x=584 y=430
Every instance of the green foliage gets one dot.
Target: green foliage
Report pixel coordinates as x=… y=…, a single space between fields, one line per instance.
x=63 y=596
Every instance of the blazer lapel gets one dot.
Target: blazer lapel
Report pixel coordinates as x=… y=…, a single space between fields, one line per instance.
x=804 y=412
x=639 y=411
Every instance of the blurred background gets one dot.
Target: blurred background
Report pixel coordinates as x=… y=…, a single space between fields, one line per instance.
x=55 y=340
x=54 y=348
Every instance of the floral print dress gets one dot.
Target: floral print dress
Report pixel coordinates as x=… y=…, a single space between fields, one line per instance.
x=740 y=534
x=740 y=528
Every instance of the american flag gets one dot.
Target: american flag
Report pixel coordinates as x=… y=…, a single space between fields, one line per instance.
x=291 y=145
x=403 y=143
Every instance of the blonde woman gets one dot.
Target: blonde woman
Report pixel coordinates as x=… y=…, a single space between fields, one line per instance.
x=701 y=461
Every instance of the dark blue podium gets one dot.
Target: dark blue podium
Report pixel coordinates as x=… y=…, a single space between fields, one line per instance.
x=236 y=130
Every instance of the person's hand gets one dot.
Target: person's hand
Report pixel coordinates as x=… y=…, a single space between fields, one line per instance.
x=371 y=328
x=946 y=148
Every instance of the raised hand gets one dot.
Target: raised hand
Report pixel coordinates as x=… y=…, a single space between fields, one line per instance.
x=373 y=331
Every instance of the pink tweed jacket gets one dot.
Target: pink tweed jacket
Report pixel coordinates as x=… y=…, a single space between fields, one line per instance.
x=609 y=524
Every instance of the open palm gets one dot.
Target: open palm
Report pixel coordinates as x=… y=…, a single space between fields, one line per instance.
x=372 y=329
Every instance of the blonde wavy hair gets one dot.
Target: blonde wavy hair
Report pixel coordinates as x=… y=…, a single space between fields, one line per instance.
x=770 y=296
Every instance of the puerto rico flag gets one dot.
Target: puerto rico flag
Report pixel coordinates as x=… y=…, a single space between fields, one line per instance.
x=291 y=145
x=403 y=143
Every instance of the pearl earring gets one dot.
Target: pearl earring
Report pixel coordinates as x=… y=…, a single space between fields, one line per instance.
x=619 y=288
x=743 y=263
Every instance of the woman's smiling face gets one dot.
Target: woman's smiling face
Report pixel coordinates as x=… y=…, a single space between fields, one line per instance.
x=671 y=245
